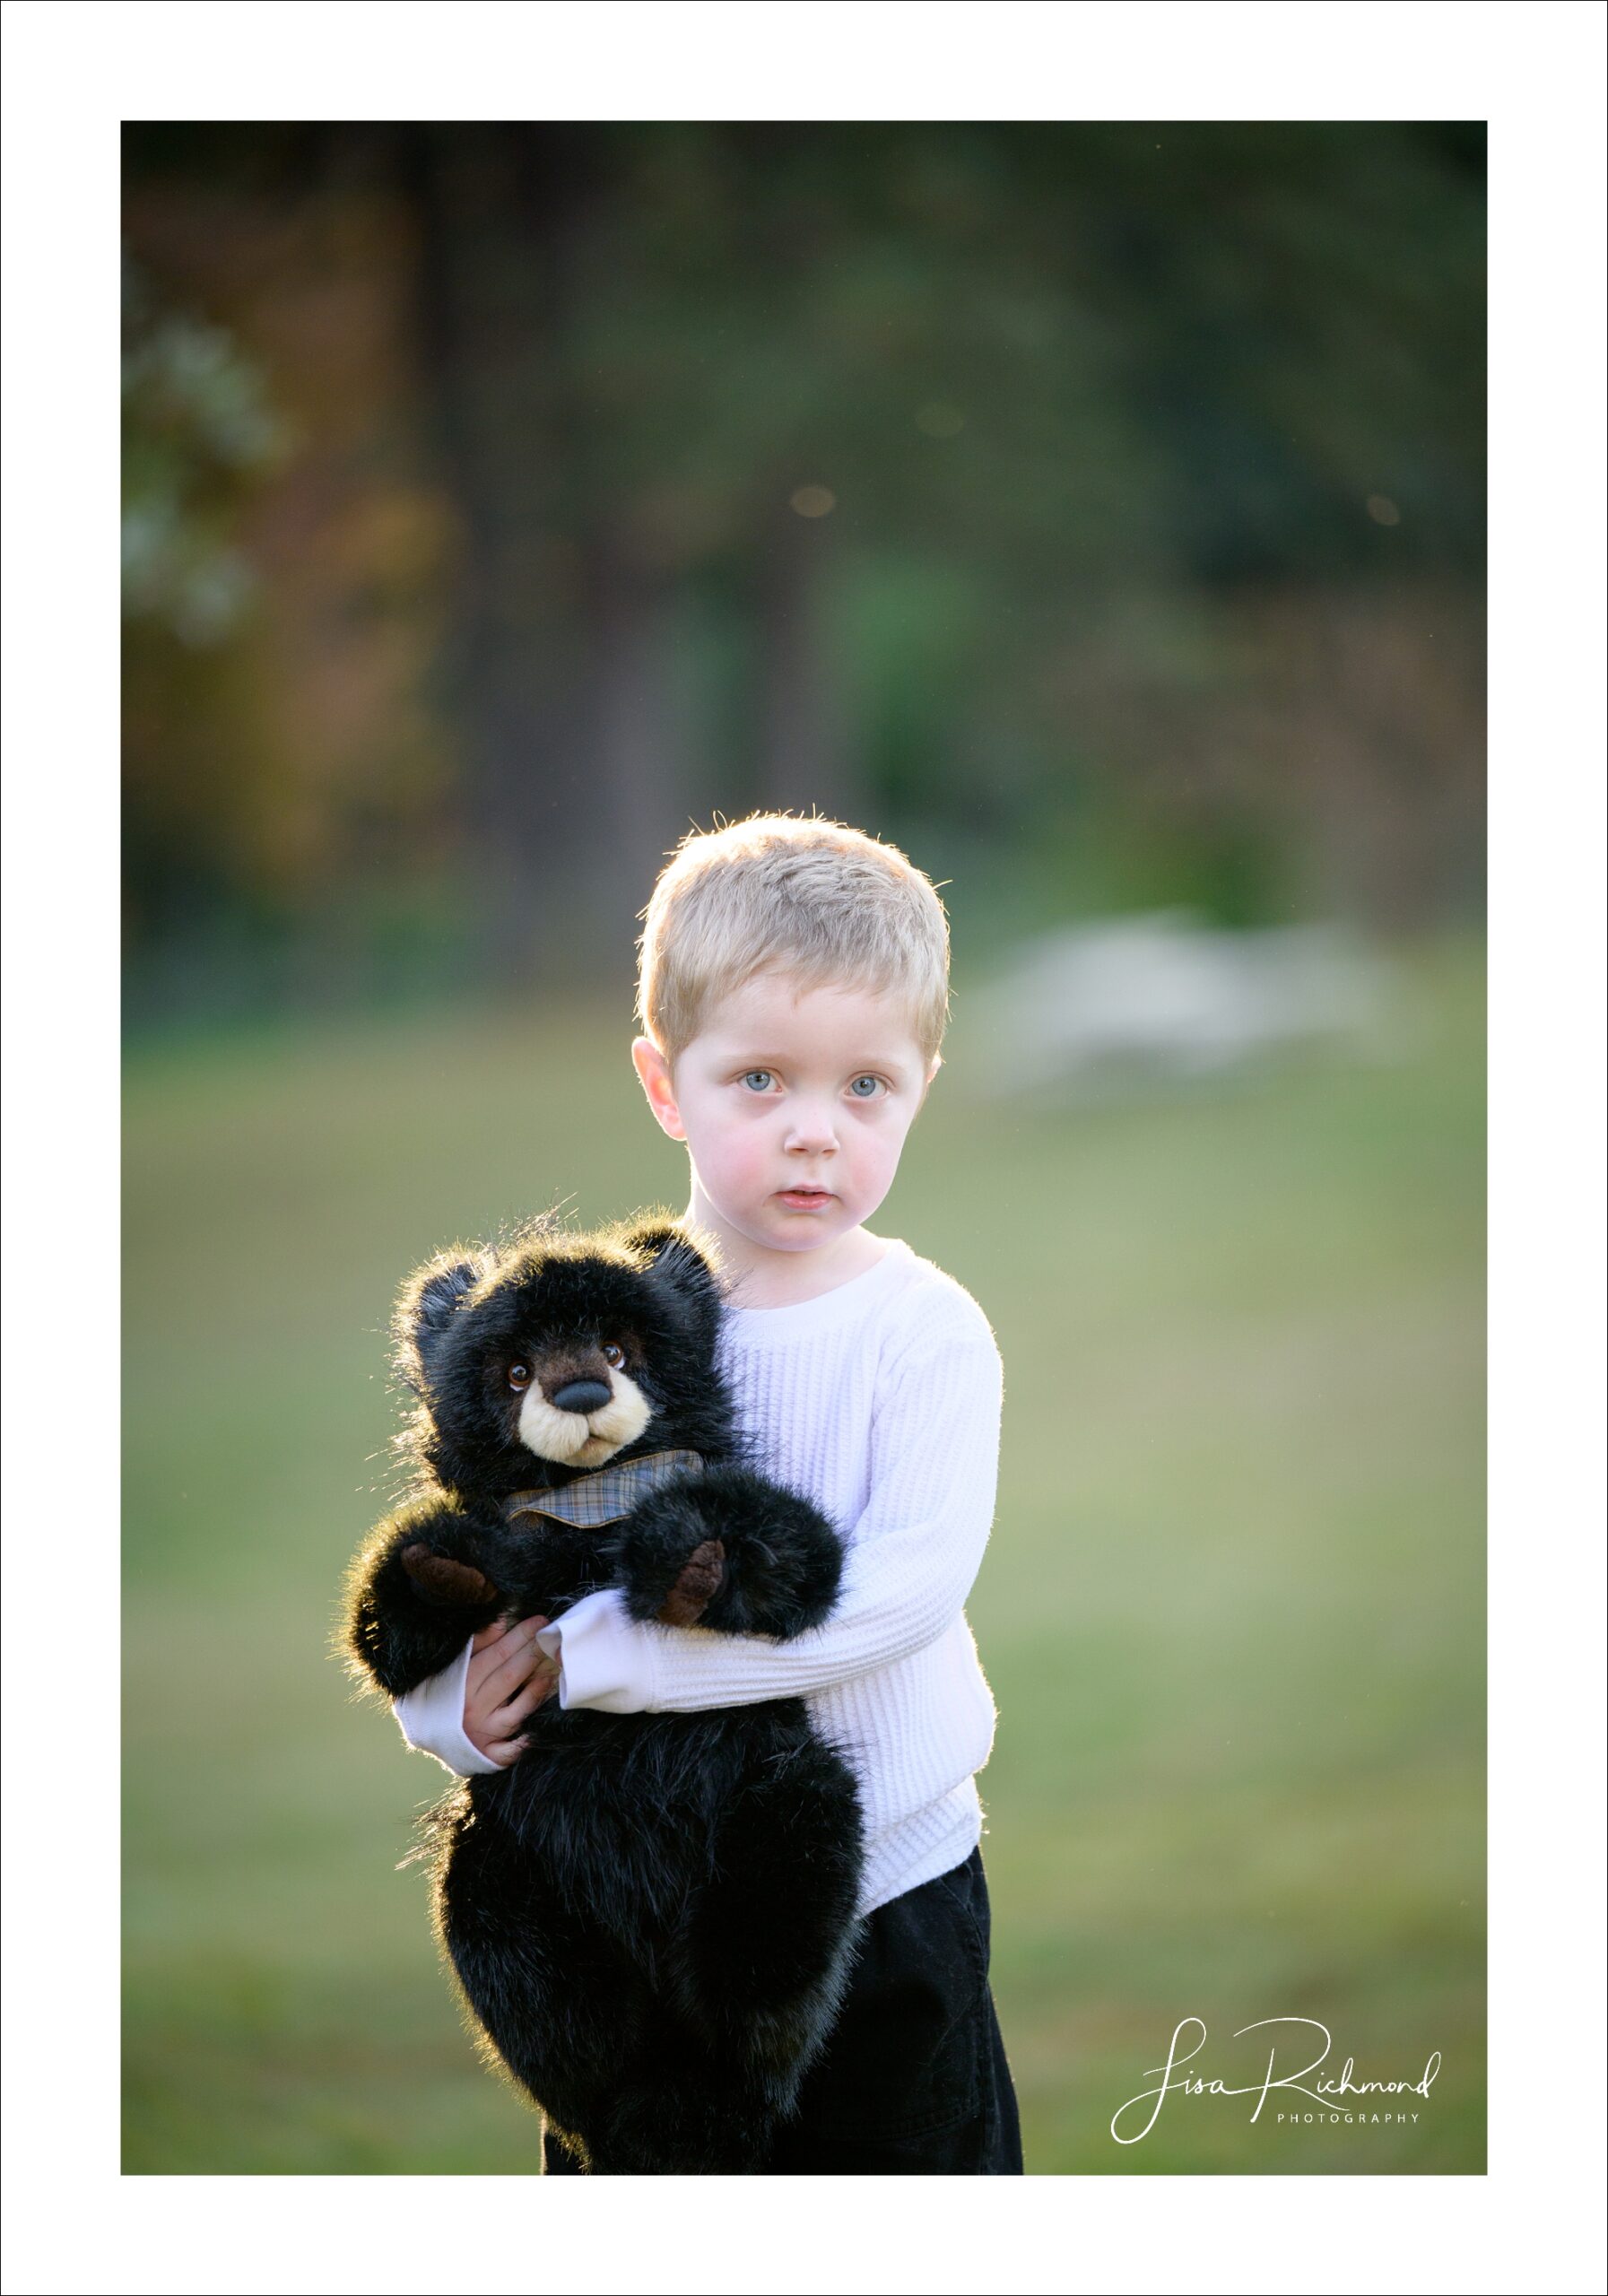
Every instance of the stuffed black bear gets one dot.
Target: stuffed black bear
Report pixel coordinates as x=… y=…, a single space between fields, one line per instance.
x=651 y=1915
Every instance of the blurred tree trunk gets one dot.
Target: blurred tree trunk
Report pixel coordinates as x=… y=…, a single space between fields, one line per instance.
x=559 y=663
x=629 y=775
x=808 y=761
x=494 y=713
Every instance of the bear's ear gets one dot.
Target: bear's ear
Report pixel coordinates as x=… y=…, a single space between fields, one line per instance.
x=677 y=1254
x=429 y=1301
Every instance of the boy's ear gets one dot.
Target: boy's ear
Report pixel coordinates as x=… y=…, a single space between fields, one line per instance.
x=426 y=1306
x=653 y=1074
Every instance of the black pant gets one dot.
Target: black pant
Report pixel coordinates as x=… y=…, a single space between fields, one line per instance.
x=913 y=2080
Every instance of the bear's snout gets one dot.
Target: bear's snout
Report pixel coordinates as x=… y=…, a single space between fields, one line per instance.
x=582 y=1396
x=579 y=1413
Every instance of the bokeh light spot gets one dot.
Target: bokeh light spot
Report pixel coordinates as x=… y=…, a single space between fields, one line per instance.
x=939 y=419
x=1383 y=511
x=814 y=501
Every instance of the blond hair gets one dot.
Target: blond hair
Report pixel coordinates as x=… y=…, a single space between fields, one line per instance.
x=825 y=904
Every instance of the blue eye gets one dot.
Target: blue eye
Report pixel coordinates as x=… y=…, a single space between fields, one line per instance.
x=875 y=1083
x=762 y=1073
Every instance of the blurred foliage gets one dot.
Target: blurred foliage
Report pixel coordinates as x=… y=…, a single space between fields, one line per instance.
x=1102 y=503
x=1232 y=1610
x=196 y=428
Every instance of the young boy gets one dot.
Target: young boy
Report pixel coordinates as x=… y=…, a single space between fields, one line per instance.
x=793 y=990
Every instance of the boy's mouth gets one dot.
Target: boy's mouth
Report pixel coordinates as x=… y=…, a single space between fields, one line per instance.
x=803 y=1199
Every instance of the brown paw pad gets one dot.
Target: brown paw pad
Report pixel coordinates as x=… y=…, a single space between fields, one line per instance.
x=697 y=1586
x=442 y=1580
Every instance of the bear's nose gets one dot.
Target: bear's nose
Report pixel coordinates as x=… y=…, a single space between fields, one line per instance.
x=582 y=1394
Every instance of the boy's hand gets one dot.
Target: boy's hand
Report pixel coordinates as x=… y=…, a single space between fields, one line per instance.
x=508 y=1678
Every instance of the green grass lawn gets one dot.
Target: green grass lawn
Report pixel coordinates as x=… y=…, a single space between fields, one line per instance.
x=1232 y=1610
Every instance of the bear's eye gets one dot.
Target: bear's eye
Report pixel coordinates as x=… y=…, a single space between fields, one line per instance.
x=518 y=1377
x=612 y=1354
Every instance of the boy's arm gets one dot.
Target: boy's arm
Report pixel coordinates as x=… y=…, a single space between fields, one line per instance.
x=912 y=1557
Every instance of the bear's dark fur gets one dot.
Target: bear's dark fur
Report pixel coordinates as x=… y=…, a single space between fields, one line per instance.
x=651 y=1915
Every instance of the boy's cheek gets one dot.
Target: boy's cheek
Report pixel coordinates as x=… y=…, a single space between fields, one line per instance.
x=730 y=1170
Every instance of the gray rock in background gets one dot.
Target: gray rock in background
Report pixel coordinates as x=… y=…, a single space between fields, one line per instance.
x=1165 y=997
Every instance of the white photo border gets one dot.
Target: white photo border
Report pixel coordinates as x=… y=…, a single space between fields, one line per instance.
x=1533 y=68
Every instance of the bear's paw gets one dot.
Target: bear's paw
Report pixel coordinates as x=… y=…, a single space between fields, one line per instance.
x=440 y=1579
x=696 y=1587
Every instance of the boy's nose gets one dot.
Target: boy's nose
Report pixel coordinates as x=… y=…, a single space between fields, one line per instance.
x=812 y=1135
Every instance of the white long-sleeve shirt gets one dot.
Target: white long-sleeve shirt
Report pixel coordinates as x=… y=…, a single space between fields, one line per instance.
x=881 y=1402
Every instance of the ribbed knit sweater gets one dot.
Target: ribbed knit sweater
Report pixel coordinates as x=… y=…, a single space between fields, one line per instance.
x=881 y=1402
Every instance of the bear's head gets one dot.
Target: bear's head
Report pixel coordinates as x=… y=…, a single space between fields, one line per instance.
x=540 y=1360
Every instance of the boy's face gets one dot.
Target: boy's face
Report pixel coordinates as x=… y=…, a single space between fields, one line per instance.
x=795 y=1106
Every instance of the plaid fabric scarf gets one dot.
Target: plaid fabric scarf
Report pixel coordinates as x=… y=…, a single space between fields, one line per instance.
x=606 y=1495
